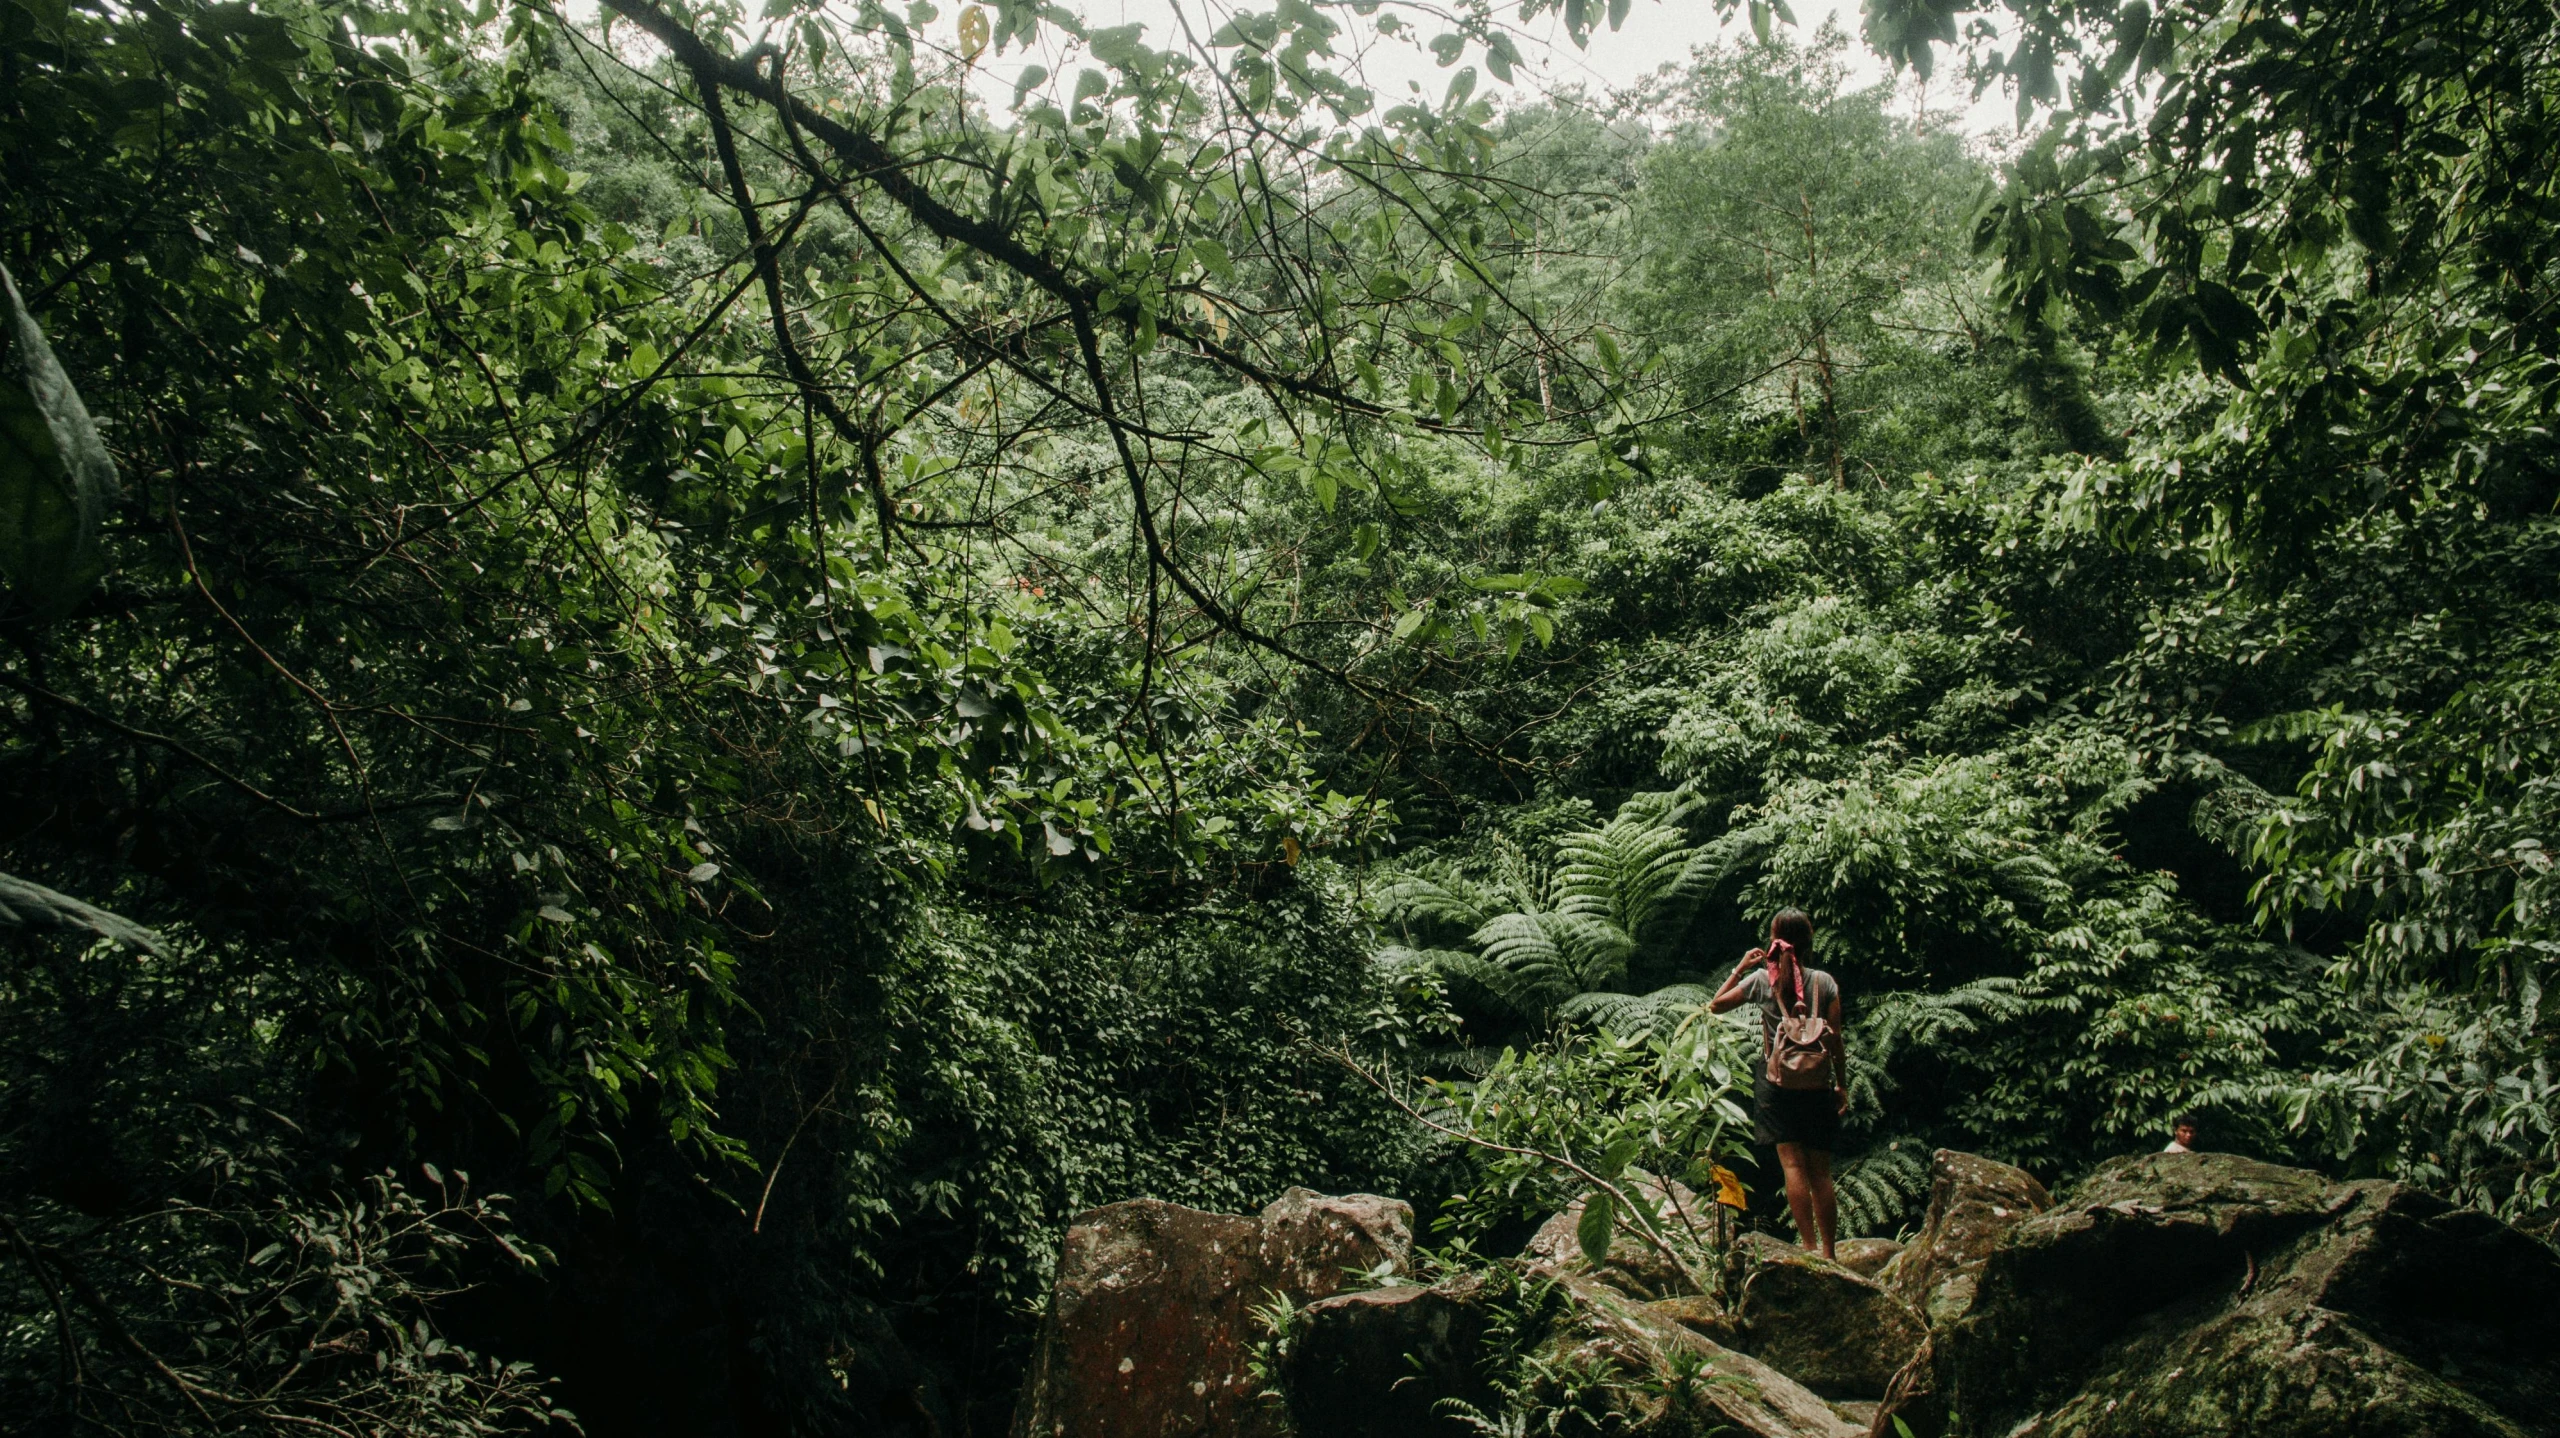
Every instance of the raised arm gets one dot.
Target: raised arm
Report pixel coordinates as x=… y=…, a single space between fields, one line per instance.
x=1730 y=995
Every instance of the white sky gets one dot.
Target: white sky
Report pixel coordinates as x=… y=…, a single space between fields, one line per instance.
x=1657 y=32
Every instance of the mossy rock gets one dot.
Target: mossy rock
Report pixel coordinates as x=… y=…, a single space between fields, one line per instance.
x=2181 y=1296
x=1835 y=1331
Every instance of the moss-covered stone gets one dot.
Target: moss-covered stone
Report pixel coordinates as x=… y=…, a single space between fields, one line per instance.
x=1697 y=1385
x=2178 y=1295
x=1386 y=1362
x=1973 y=1203
x=1389 y=1362
x=1836 y=1332
x=1151 y=1319
x=1867 y=1256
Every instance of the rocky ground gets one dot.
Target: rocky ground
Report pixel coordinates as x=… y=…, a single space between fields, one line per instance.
x=2167 y=1296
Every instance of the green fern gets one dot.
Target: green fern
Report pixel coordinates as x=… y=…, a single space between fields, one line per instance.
x=1632 y=873
x=1927 y=1020
x=1660 y=1013
x=1881 y=1190
x=1441 y=894
x=1546 y=936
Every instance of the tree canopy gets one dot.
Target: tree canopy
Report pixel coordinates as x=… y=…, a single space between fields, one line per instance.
x=673 y=678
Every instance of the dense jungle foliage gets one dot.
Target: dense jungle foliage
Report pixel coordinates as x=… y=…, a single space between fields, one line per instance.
x=675 y=682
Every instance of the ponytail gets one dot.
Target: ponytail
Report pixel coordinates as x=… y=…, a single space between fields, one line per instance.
x=1790 y=949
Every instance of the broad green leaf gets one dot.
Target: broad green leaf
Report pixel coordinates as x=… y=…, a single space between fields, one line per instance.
x=1599 y=1225
x=55 y=477
x=29 y=905
x=1619 y=1155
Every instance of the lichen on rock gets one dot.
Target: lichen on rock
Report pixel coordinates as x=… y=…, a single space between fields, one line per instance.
x=2180 y=1296
x=1837 y=1332
x=1151 y=1317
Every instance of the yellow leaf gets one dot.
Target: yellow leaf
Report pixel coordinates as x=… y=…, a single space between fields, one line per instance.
x=1728 y=1187
x=973 y=33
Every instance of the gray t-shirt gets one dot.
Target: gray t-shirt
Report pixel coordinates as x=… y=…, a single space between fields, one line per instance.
x=1819 y=989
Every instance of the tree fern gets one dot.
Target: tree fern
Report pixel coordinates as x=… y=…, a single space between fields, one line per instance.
x=1397 y=958
x=1543 y=935
x=1926 y=1020
x=1627 y=873
x=1532 y=992
x=1659 y=1013
x=1440 y=894
x=1882 y=1190
x=1559 y=954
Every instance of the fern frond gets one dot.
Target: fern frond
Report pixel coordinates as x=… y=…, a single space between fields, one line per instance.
x=1440 y=894
x=1522 y=882
x=1881 y=1190
x=1705 y=867
x=1544 y=933
x=1738 y=849
x=1623 y=872
x=1556 y=955
x=1527 y=995
x=1521 y=943
x=1397 y=959
x=1927 y=1020
x=1660 y=1013
x=1664 y=807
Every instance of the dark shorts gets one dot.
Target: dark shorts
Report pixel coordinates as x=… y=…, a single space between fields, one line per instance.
x=1809 y=1116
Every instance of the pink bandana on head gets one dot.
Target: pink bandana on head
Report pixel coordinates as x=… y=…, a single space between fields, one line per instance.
x=1791 y=976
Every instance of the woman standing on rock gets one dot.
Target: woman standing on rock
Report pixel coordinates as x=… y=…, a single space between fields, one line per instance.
x=1802 y=1088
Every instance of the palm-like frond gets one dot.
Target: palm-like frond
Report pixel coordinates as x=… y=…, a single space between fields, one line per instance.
x=1522 y=882
x=1926 y=1019
x=1397 y=958
x=1529 y=994
x=1666 y=808
x=1556 y=954
x=1440 y=894
x=1882 y=1189
x=1659 y=1013
x=1625 y=872
x=1545 y=934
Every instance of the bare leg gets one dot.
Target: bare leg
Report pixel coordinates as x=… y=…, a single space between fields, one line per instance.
x=1794 y=1158
x=1826 y=1204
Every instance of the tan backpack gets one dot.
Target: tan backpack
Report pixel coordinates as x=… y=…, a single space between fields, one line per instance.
x=1800 y=1046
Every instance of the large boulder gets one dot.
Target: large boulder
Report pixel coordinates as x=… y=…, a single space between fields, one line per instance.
x=1973 y=1203
x=1383 y=1363
x=1698 y=1386
x=2180 y=1296
x=1151 y=1320
x=1349 y=1376
x=1835 y=1331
